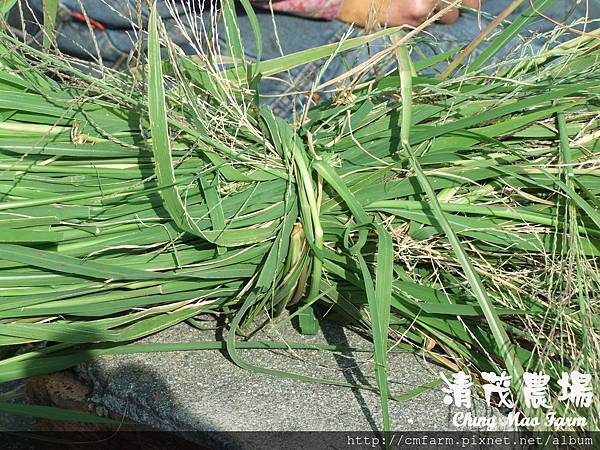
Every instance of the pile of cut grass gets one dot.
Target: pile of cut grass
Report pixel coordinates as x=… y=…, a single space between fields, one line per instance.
x=458 y=217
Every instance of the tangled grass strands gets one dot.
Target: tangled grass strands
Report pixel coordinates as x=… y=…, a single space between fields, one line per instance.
x=128 y=208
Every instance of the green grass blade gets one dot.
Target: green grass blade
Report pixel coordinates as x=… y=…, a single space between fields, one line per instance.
x=378 y=297
x=161 y=142
x=50 y=11
x=52 y=413
x=504 y=346
x=6 y=6
x=507 y=35
x=55 y=262
x=288 y=62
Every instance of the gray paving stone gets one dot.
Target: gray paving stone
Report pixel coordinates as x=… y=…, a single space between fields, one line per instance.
x=204 y=390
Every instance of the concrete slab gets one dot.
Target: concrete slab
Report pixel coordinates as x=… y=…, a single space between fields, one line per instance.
x=204 y=390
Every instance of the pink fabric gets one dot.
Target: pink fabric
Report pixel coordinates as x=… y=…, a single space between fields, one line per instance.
x=318 y=9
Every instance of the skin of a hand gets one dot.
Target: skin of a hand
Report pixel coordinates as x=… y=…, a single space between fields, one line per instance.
x=366 y=13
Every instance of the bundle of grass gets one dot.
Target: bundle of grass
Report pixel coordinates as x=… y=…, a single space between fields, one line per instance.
x=458 y=217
